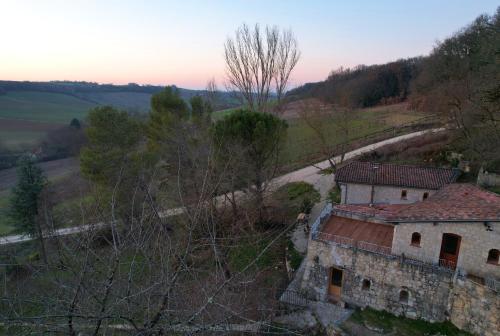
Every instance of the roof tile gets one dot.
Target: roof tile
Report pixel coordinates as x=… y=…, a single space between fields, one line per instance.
x=396 y=175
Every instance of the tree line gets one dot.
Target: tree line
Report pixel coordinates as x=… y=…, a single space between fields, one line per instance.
x=457 y=81
x=364 y=86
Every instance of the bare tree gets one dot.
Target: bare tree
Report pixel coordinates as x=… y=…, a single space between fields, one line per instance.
x=325 y=120
x=212 y=94
x=256 y=60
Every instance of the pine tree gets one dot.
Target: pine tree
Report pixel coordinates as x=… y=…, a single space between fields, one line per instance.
x=25 y=195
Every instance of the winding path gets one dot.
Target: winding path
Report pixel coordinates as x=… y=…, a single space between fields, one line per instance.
x=311 y=174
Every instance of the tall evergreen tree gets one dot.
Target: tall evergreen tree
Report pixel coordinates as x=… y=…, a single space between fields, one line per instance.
x=25 y=200
x=25 y=196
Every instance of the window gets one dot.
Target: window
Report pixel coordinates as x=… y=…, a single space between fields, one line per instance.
x=426 y=195
x=404 y=194
x=336 y=277
x=403 y=296
x=493 y=256
x=366 y=284
x=415 y=239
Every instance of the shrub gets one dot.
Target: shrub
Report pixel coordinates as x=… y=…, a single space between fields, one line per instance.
x=300 y=196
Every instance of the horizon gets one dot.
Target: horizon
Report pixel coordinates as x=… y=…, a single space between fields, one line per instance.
x=151 y=44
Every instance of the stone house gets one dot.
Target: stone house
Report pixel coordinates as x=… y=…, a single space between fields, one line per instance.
x=374 y=183
x=436 y=259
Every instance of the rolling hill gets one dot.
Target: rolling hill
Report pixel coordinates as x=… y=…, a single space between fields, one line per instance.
x=29 y=109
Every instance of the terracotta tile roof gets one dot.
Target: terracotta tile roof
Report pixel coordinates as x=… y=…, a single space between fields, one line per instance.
x=454 y=202
x=357 y=230
x=396 y=175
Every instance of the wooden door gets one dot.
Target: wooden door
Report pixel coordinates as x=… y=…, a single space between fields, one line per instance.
x=335 y=283
x=450 y=247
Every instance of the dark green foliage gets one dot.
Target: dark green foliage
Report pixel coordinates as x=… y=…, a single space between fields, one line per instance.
x=25 y=197
x=168 y=109
x=169 y=101
x=249 y=143
x=299 y=196
x=112 y=137
x=334 y=195
x=199 y=107
x=75 y=123
x=258 y=135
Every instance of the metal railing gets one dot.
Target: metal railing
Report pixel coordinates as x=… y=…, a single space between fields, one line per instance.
x=370 y=247
x=294 y=298
x=349 y=242
x=323 y=216
x=448 y=264
x=492 y=284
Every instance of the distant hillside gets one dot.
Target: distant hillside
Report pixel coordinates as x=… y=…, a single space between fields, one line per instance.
x=17 y=98
x=28 y=110
x=364 y=86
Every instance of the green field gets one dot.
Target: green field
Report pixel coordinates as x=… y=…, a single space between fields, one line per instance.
x=19 y=139
x=301 y=144
x=43 y=106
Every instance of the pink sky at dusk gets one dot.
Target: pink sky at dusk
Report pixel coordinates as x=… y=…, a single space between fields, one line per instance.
x=181 y=43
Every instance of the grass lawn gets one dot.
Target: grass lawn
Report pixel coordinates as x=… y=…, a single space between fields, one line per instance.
x=42 y=106
x=301 y=143
x=388 y=324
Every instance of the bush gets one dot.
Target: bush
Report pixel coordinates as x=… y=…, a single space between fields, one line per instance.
x=334 y=195
x=299 y=196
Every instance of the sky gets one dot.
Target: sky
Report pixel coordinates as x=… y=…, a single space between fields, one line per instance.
x=182 y=42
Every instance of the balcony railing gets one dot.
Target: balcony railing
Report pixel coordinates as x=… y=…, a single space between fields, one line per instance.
x=492 y=284
x=349 y=242
x=317 y=234
x=449 y=264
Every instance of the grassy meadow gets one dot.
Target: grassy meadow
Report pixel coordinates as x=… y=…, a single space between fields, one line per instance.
x=301 y=148
x=25 y=116
x=42 y=106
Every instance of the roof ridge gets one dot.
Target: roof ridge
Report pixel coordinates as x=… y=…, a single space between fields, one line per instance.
x=401 y=165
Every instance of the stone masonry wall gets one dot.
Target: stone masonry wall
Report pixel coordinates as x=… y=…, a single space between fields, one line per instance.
x=475 y=308
x=475 y=244
x=434 y=295
x=388 y=276
x=353 y=193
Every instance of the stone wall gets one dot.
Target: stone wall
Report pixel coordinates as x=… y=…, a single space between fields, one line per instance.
x=487 y=179
x=434 y=294
x=428 y=290
x=352 y=193
x=475 y=308
x=477 y=240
